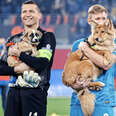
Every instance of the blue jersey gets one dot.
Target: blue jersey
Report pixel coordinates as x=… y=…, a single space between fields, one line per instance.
x=106 y=96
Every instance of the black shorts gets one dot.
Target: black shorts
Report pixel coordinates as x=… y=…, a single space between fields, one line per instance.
x=26 y=102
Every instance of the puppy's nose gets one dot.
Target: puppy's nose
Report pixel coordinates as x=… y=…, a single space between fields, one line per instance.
x=97 y=39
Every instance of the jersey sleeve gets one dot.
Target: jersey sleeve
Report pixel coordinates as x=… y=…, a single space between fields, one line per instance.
x=76 y=44
x=48 y=47
x=114 y=52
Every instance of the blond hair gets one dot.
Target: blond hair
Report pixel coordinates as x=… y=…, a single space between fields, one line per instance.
x=97 y=8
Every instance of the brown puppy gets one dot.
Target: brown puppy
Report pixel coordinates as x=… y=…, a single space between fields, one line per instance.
x=101 y=41
x=28 y=45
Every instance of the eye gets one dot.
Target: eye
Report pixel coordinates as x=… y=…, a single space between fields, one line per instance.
x=31 y=35
x=97 y=18
x=102 y=31
x=103 y=18
x=31 y=11
x=24 y=11
x=109 y=33
x=97 y=32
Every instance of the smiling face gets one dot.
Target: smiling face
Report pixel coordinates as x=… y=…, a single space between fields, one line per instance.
x=30 y=15
x=99 y=18
x=97 y=13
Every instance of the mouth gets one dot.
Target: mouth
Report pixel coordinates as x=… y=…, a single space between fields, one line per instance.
x=100 y=41
x=28 y=19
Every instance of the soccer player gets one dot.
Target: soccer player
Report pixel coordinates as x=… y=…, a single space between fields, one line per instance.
x=29 y=100
x=105 y=98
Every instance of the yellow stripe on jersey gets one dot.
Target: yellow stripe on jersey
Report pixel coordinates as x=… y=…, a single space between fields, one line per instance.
x=45 y=53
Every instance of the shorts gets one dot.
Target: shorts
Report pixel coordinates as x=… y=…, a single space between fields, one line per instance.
x=26 y=102
x=75 y=109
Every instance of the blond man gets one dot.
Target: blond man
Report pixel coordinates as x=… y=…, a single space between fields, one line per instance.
x=105 y=98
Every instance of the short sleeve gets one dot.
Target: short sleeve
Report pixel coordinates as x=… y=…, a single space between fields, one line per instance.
x=114 y=52
x=76 y=44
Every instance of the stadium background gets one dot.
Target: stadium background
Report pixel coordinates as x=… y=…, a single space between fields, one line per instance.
x=68 y=20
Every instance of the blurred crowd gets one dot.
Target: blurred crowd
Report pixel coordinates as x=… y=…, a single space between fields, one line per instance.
x=54 y=6
x=67 y=18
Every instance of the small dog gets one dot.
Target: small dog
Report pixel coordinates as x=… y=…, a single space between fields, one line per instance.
x=28 y=45
x=101 y=41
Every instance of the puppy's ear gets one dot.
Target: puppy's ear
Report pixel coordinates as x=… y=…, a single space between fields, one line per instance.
x=110 y=27
x=40 y=33
x=109 y=24
x=93 y=25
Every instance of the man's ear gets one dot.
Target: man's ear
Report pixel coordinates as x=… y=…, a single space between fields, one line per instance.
x=40 y=15
x=89 y=20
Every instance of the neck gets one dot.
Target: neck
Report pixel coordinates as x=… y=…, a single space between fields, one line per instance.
x=28 y=28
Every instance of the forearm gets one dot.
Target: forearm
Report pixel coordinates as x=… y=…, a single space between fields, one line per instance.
x=34 y=62
x=113 y=61
x=98 y=59
x=21 y=68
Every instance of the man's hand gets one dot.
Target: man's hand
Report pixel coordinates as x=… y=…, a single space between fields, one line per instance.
x=21 y=68
x=29 y=79
x=83 y=46
x=78 y=85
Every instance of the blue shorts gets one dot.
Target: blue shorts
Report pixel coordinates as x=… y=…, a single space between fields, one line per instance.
x=75 y=109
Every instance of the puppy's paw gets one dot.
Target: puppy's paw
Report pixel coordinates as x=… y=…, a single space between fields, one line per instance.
x=96 y=85
x=95 y=88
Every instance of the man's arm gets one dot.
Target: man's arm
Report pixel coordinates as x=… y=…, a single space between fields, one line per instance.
x=6 y=70
x=45 y=54
x=96 y=58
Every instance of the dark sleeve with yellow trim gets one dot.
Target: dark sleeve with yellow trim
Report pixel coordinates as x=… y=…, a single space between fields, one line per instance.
x=46 y=50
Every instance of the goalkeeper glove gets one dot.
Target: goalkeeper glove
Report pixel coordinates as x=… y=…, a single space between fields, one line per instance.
x=30 y=79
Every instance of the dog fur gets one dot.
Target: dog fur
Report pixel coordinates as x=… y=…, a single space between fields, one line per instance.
x=101 y=41
x=27 y=45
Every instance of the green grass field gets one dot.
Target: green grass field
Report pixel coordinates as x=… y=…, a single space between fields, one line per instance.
x=1 y=111
x=58 y=105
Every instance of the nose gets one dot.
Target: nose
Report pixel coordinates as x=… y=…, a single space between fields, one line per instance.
x=97 y=39
x=28 y=13
x=101 y=22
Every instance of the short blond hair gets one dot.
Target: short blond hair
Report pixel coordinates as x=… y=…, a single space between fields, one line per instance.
x=97 y=8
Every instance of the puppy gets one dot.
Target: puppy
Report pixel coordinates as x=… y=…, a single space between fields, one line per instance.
x=101 y=41
x=28 y=45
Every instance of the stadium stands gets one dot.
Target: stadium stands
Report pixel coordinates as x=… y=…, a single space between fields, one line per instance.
x=67 y=17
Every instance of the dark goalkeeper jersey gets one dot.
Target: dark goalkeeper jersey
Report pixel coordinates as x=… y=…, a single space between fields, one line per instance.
x=41 y=64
